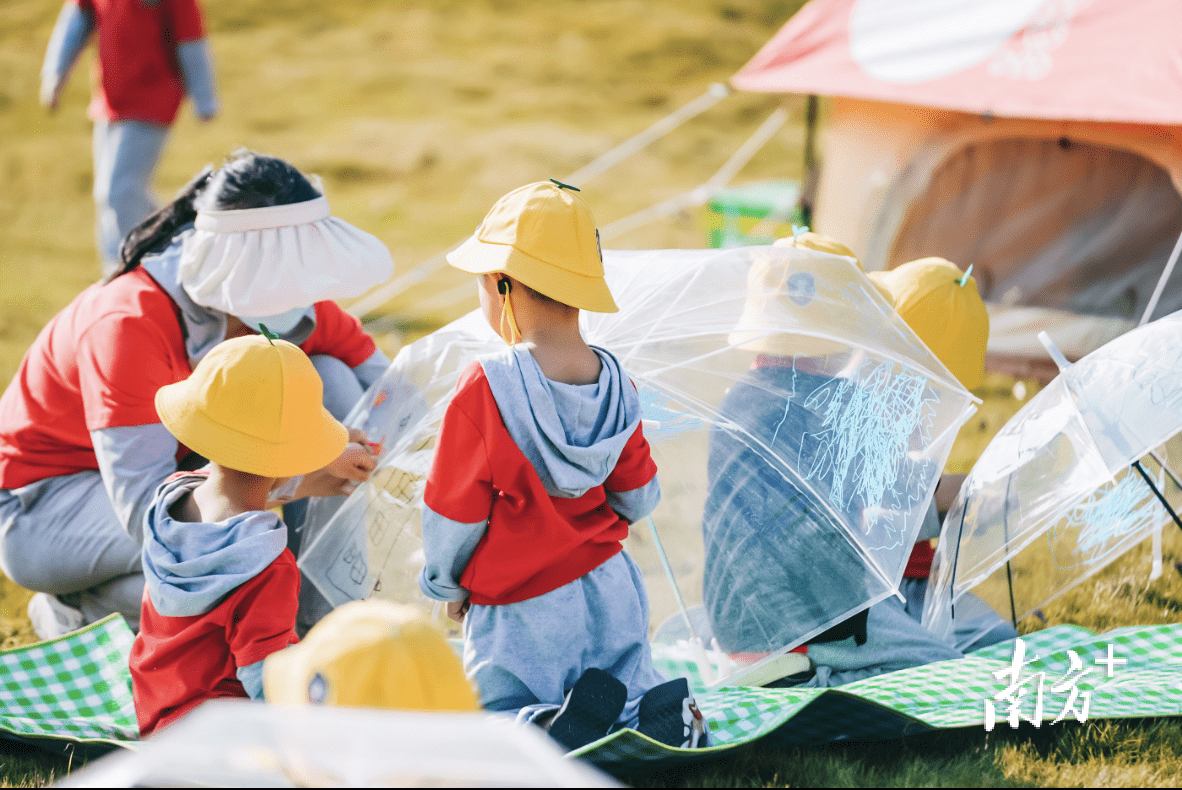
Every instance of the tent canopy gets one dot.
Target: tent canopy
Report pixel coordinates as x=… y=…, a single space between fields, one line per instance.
x=1038 y=140
x=1094 y=60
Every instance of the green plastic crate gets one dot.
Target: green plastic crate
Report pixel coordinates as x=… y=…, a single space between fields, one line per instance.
x=735 y=216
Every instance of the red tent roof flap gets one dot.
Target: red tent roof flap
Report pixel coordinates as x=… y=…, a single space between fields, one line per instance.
x=1095 y=60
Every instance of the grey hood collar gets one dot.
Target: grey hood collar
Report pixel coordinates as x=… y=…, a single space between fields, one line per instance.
x=573 y=435
x=189 y=566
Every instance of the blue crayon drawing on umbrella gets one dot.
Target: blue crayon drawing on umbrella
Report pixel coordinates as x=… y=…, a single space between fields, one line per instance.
x=1104 y=520
x=1041 y=511
x=869 y=421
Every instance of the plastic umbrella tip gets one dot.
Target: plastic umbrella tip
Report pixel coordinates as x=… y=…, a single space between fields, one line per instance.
x=1053 y=351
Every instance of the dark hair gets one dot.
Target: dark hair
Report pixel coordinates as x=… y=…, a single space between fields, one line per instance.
x=246 y=180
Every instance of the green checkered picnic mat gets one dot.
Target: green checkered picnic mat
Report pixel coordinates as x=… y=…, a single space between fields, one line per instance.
x=78 y=688
x=75 y=688
x=945 y=695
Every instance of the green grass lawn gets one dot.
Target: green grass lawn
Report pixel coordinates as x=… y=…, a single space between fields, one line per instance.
x=28 y=766
x=418 y=115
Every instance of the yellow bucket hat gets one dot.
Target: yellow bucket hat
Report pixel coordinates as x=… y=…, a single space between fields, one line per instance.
x=544 y=235
x=941 y=304
x=815 y=241
x=771 y=280
x=254 y=405
x=372 y=654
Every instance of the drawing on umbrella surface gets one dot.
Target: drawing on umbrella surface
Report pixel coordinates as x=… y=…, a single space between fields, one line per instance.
x=1108 y=517
x=380 y=548
x=659 y=408
x=869 y=421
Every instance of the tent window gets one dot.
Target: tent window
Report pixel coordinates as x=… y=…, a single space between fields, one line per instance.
x=1050 y=222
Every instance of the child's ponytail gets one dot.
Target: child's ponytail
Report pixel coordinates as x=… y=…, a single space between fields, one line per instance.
x=156 y=232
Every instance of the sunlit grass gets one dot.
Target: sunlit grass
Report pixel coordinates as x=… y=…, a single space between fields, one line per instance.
x=418 y=115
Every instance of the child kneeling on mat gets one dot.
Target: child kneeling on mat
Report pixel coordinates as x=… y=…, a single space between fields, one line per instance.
x=222 y=587
x=540 y=466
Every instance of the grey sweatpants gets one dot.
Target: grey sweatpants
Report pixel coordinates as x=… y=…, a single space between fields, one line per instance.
x=60 y=535
x=125 y=157
x=976 y=626
x=525 y=656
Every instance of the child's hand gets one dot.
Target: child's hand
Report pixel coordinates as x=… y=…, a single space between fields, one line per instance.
x=457 y=609
x=353 y=466
x=355 y=463
x=51 y=92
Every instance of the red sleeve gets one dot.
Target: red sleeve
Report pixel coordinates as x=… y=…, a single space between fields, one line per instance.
x=635 y=467
x=184 y=20
x=86 y=5
x=459 y=485
x=122 y=361
x=263 y=617
x=340 y=335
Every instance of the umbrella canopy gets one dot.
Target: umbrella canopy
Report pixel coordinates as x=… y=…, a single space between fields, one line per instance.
x=1053 y=499
x=781 y=370
x=1105 y=60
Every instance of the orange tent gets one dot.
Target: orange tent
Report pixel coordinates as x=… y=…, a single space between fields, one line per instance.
x=1038 y=140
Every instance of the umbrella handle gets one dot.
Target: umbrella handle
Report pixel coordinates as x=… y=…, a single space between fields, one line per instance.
x=704 y=666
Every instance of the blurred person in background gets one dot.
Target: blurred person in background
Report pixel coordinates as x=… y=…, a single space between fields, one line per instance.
x=82 y=449
x=150 y=54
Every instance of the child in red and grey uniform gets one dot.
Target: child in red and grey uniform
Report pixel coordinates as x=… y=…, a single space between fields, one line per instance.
x=540 y=466
x=944 y=308
x=222 y=588
x=150 y=54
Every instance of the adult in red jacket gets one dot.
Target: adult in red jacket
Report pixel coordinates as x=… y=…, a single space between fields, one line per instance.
x=82 y=450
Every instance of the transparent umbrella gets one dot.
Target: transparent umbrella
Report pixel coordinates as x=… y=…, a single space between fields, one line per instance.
x=1077 y=477
x=849 y=421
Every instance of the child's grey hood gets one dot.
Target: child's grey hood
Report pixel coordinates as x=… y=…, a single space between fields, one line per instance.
x=190 y=567
x=572 y=434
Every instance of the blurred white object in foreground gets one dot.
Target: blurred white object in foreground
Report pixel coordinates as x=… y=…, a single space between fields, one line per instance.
x=233 y=743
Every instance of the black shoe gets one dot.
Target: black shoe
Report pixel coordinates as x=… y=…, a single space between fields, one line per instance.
x=590 y=709
x=669 y=714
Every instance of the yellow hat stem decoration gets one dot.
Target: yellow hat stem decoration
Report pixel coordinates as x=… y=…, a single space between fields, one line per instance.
x=967 y=272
